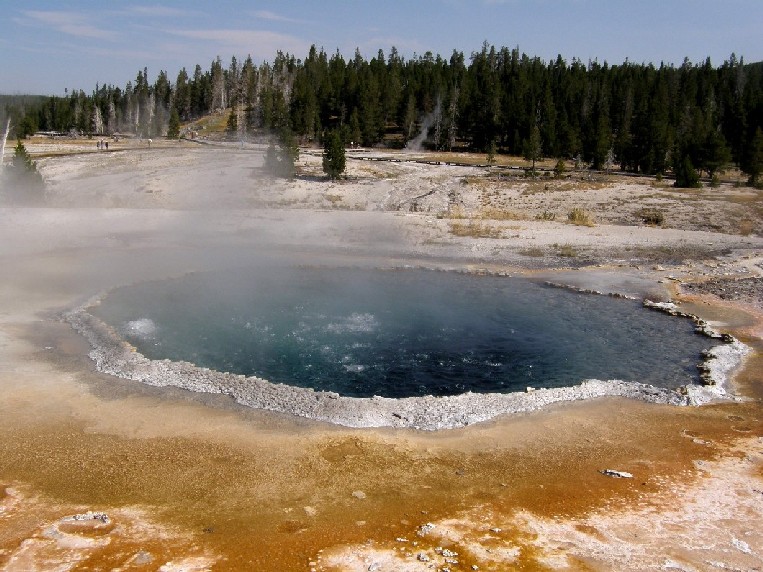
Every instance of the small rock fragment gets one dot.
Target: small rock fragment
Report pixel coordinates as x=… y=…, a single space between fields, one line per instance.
x=616 y=474
x=142 y=557
x=741 y=545
x=359 y=495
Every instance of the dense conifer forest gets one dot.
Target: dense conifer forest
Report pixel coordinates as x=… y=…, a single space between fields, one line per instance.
x=638 y=117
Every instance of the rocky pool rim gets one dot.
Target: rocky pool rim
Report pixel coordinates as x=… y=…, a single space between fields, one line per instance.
x=113 y=355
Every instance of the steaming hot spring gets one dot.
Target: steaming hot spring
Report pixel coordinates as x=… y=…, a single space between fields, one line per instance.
x=404 y=347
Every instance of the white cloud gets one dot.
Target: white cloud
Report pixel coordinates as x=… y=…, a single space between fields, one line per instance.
x=71 y=23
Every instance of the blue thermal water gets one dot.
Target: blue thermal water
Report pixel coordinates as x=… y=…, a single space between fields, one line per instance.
x=403 y=332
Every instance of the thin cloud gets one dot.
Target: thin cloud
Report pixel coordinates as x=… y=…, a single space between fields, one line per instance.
x=70 y=23
x=247 y=41
x=273 y=17
x=157 y=10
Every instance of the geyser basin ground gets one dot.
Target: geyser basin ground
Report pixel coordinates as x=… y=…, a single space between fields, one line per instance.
x=390 y=347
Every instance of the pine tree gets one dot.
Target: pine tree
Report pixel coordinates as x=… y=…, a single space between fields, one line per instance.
x=183 y=95
x=533 y=148
x=354 y=132
x=288 y=154
x=334 y=160
x=24 y=184
x=231 y=128
x=686 y=175
x=754 y=162
x=560 y=168
x=173 y=127
x=491 y=152
x=22 y=160
x=281 y=159
x=715 y=153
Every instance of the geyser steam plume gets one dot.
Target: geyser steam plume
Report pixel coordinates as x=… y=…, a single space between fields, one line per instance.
x=416 y=143
x=5 y=138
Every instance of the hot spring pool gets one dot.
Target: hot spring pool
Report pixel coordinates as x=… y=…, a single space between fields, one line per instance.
x=402 y=333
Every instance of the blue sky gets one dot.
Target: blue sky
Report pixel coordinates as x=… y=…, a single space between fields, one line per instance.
x=46 y=46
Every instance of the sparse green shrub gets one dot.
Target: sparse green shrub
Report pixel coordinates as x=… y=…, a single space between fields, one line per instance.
x=567 y=251
x=580 y=217
x=651 y=216
x=546 y=215
x=559 y=169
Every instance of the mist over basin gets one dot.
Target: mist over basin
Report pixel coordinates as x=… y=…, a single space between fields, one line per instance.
x=401 y=333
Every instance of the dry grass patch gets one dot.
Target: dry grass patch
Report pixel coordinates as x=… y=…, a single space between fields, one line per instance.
x=290 y=202
x=746 y=227
x=673 y=254
x=481 y=182
x=481 y=159
x=568 y=185
x=753 y=199
x=651 y=216
x=492 y=213
x=474 y=229
x=376 y=173
x=535 y=252
x=680 y=193
x=454 y=213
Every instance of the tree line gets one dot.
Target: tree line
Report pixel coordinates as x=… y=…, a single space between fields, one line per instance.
x=641 y=117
